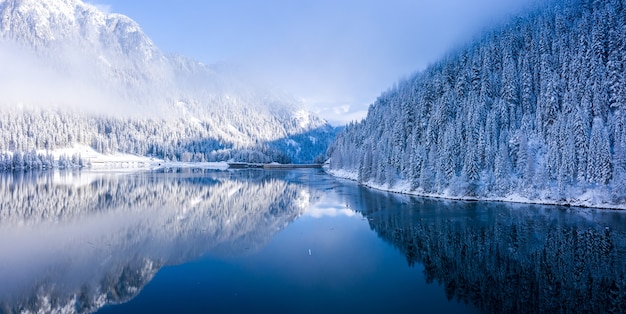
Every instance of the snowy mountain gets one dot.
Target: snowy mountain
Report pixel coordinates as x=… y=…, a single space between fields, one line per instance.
x=534 y=111
x=76 y=75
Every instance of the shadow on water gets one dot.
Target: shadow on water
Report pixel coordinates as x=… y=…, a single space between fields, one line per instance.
x=77 y=241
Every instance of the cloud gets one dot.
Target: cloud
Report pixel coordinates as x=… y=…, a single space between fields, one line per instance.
x=347 y=52
x=105 y=8
x=342 y=52
x=336 y=113
x=336 y=116
x=29 y=81
x=329 y=211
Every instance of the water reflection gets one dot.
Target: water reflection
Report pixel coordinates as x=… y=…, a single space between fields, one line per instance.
x=72 y=242
x=507 y=258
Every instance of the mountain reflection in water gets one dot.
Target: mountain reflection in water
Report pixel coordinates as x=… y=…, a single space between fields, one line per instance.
x=76 y=241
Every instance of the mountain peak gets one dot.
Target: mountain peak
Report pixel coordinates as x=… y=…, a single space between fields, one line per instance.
x=42 y=24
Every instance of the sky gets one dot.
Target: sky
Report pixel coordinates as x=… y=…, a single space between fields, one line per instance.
x=337 y=56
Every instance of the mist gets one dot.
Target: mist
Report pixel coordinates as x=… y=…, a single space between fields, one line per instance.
x=337 y=56
x=63 y=80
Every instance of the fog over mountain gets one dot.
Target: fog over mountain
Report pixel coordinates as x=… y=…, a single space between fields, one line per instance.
x=111 y=88
x=534 y=111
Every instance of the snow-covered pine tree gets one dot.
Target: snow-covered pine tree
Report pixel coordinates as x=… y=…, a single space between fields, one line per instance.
x=535 y=107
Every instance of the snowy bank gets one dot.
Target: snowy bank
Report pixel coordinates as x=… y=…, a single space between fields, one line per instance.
x=589 y=199
x=83 y=156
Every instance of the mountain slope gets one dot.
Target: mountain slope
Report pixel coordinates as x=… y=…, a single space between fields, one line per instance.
x=75 y=75
x=535 y=111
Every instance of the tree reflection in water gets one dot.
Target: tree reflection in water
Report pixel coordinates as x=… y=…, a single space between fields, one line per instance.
x=509 y=258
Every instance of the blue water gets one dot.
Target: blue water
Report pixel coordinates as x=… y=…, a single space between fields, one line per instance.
x=349 y=270
x=199 y=241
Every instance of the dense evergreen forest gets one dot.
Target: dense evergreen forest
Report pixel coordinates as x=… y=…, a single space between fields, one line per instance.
x=534 y=109
x=28 y=135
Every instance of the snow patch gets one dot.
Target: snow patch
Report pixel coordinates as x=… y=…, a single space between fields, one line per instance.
x=594 y=198
x=291 y=142
x=119 y=161
x=303 y=118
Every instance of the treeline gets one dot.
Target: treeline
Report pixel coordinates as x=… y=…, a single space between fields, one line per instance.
x=536 y=108
x=175 y=139
x=39 y=161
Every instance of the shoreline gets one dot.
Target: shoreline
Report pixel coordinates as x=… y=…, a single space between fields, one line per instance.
x=402 y=188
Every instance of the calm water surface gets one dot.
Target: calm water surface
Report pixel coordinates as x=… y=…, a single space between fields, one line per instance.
x=203 y=241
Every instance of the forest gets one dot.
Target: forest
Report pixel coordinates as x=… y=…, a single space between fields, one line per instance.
x=534 y=109
x=27 y=136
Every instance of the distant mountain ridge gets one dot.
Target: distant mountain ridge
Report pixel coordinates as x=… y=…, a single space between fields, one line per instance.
x=68 y=61
x=533 y=112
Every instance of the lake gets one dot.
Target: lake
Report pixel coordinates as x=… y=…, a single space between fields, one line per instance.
x=292 y=241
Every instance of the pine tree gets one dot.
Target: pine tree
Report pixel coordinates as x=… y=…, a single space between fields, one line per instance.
x=599 y=162
x=581 y=143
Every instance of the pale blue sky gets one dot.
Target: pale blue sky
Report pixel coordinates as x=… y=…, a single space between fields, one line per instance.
x=336 y=55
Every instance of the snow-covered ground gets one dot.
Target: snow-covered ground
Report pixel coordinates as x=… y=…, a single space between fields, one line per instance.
x=102 y=161
x=590 y=198
x=118 y=161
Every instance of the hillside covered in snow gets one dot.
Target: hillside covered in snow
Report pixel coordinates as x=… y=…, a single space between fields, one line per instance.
x=534 y=111
x=73 y=75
